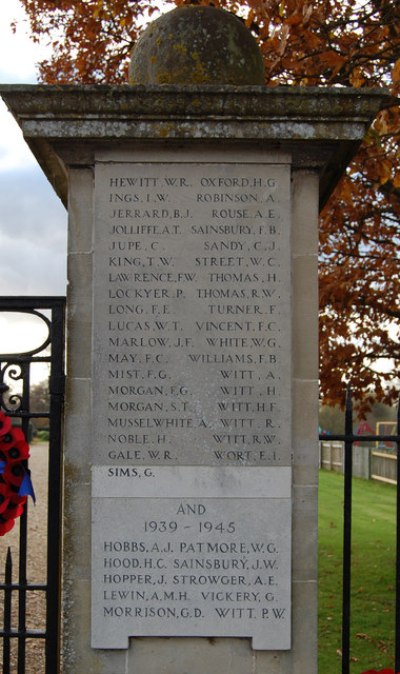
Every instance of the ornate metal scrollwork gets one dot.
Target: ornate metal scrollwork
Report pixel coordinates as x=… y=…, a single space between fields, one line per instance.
x=15 y=371
x=15 y=367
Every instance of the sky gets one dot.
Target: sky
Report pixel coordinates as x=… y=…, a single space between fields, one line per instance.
x=33 y=221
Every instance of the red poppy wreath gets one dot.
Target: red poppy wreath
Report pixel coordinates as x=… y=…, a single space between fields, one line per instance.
x=15 y=482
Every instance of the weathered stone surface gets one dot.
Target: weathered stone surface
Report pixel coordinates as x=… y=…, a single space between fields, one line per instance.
x=197 y=45
x=322 y=127
x=214 y=564
x=171 y=267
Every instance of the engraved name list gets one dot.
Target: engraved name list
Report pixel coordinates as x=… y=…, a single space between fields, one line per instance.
x=191 y=480
x=191 y=314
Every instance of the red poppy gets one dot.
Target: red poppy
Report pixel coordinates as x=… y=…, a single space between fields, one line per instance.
x=13 y=474
x=5 y=424
x=15 y=483
x=17 y=451
x=6 y=526
x=14 y=510
x=13 y=435
x=5 y=487
x=4 y=496
x=17 y=498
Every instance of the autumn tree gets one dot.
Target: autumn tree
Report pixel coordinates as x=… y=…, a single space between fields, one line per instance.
x=305 y=43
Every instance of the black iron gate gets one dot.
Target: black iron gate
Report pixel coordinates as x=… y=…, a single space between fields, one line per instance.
x=349 y=439
x=22 y=624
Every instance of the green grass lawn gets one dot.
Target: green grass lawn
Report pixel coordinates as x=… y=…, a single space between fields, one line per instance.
x=373 y=574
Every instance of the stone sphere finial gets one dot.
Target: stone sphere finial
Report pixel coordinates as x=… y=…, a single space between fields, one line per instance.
x=195 y=44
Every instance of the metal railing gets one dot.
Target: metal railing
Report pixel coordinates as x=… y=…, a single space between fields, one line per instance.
x=17 y=368
x=349 y=439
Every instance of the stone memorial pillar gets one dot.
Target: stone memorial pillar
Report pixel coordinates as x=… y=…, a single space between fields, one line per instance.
x=190 y=529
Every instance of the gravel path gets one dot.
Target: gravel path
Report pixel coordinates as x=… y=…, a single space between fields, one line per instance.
x=36 y=562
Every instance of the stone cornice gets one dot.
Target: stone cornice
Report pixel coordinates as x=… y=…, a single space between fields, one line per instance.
x=325 y=123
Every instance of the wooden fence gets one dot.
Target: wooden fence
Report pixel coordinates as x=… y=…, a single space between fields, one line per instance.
x=370 y=463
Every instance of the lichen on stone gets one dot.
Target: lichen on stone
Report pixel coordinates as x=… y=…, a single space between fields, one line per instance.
x=197 y=45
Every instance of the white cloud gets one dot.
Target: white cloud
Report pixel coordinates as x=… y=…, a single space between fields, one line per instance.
x=18 y=58
x=33 y=234
x=14 y=152
x=19 y=54
x=32 y=219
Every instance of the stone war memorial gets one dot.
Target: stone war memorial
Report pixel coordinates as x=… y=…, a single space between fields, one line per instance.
x=190 y=451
